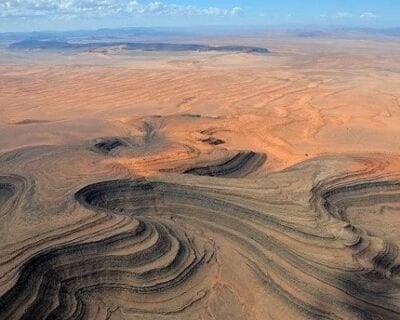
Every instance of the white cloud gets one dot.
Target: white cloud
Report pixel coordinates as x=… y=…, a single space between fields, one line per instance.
x=348 y=15
x=342 y=15
x=368 y=15
x=236 y=11
x=15 y=8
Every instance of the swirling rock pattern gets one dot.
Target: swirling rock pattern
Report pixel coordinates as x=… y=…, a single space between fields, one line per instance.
x=107 y=145
x=7 y=191
x=298 y=244
x=10 y=189
x=151 y=262
x=213 y=141
x=242 y=164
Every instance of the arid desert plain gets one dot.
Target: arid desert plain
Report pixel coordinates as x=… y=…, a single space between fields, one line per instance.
x=202 y=184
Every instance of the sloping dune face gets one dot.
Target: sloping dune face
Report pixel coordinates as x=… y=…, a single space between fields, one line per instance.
x=273 y=194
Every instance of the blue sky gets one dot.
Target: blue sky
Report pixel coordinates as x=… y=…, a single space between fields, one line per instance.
x=29 y=15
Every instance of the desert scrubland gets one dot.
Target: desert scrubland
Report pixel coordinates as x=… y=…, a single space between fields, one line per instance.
x=202 y=185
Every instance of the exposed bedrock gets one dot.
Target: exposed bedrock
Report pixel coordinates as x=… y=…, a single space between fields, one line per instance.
x=178 y=246
x=7 y=191
x=11 y=188
x=240 y=165
x=316 y=289
x=372 y=208
x=213 y=141
x=366 y=204
x=107 y=145
x=155 y=267
x=149 y=140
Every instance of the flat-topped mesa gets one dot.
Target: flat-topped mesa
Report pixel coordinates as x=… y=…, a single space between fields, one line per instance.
x=172 y=47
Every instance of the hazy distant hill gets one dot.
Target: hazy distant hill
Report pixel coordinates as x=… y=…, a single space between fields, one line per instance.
x=347 y=32
x=90 y=34
x=62 y=45
x=156 y=34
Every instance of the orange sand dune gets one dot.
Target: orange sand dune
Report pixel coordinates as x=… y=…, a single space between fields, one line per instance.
x=284 y=107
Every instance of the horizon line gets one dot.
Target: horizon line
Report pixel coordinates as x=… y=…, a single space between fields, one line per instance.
x=210 y=26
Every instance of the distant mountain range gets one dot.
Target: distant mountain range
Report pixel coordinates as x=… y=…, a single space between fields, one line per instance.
x=143 y=46
x=337 y=32
x=90 y=34
x=157 y=34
